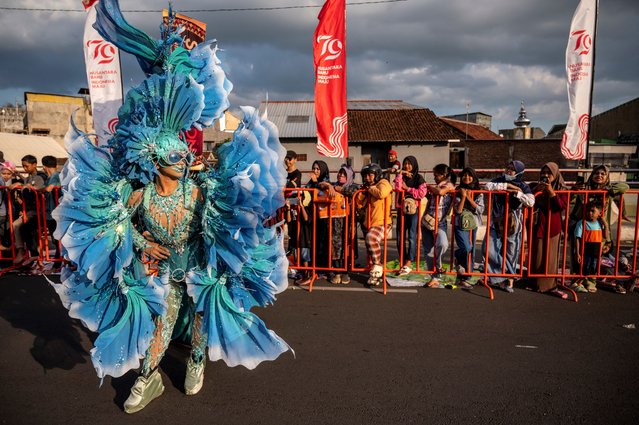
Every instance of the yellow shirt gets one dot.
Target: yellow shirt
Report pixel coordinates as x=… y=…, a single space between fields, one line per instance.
x=380 y=207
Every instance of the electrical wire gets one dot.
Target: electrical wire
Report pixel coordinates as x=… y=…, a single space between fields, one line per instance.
x=239 y=9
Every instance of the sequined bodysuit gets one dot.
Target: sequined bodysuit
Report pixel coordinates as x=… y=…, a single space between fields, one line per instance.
x=173 y=221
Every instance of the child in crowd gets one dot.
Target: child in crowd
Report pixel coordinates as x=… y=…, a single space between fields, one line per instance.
x=392 y=166
x=588 y=245
x=377 y=198
x=467 y=199
x=609 y=265
x=293 y=176
x=434 y=224
x=413 y=187
x=293 y=181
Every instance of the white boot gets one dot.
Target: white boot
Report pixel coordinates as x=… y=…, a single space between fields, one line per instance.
x=144 y=391
x=194 y=376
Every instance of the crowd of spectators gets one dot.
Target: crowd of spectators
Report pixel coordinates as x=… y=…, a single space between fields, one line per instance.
x=427 y=214
x=427 y=217
x=22 y=197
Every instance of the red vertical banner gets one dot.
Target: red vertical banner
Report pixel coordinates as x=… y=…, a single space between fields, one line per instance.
x=193 y=33
x=329 y=54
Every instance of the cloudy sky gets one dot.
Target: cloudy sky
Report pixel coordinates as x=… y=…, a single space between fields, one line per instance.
x=440 y=54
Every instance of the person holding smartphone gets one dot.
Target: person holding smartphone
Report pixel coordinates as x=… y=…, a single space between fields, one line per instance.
x=547 y=227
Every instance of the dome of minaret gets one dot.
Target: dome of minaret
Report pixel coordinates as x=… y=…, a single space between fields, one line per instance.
x=522 y=120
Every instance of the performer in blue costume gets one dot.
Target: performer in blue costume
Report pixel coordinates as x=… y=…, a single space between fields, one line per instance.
x=215 y=255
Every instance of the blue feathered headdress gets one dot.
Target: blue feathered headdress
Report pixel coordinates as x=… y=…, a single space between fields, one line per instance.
x=185 y=89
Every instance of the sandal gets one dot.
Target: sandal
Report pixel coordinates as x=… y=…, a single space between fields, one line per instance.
x=561 y=294
x=506 y=286
x=435 y=283
x=304 y=282
x=465 y=284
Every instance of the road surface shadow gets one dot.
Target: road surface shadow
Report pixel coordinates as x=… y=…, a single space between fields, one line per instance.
x=32 y=305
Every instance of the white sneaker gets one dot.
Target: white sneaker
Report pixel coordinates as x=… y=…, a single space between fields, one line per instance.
x=404 y=271
x=194 y=376
x=376 y=273
x=145 y=390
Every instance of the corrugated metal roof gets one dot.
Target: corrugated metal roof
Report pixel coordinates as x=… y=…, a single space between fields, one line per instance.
x=278 y=111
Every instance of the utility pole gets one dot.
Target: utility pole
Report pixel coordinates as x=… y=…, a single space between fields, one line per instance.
x=467 y=111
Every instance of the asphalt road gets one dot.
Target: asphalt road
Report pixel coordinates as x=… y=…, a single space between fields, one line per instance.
x=417 y=356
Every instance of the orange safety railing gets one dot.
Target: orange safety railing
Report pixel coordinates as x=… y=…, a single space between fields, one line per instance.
x=31 y=203
x=523 y=259
x=323 y=213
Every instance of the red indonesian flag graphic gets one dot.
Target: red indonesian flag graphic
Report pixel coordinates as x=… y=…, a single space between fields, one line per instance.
x=104 y=76
x=329 y=53
x=579 y=71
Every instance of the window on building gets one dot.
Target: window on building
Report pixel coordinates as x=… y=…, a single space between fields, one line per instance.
x=301 y=119
x=614 y=160
x=301 y=157
x=40 y=131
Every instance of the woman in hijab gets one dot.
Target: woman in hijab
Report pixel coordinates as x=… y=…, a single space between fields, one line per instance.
x=506 y=224
x=467 y=198
x=413 y=186
x=547 y=228
x=599 y=180
x=319 y=174
x=338 y=191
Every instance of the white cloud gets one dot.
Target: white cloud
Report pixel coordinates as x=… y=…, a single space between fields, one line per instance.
x=438 y=54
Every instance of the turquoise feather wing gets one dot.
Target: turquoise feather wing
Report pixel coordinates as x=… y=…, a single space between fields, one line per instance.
x=107 y=288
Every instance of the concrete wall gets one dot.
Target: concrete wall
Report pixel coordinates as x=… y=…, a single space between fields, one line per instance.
x=53 y=113
x=12 y=119
x=624 y=119
x=309 y=149
x=427 y=155
x=474 y=117
x=497 y=153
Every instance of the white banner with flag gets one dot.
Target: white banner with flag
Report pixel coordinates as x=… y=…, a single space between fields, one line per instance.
x=579 y=70
x=104 y=76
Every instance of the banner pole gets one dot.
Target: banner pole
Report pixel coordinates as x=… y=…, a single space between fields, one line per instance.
x=592 y=80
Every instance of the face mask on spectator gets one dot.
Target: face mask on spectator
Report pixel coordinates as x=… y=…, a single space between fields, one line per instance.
x=510 y=177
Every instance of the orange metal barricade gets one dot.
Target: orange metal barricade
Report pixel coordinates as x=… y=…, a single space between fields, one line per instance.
x=483 y=274
x=322 y=211
x=41 y=233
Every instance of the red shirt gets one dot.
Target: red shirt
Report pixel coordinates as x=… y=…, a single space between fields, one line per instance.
x=545 y=206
